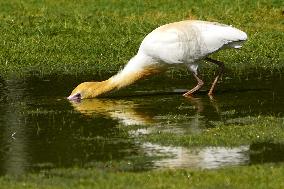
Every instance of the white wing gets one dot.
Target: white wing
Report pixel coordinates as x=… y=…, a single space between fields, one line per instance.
x=189 y=41
x=216 y=36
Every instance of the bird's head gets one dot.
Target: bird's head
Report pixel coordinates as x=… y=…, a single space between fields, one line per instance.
x=91 y=89
x=86 y=90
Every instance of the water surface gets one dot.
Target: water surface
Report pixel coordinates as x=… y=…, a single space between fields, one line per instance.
x=40 y=129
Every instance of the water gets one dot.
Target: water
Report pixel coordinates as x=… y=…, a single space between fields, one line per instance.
x=40 y=129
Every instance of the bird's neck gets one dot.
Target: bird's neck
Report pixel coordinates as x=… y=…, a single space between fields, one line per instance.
x=137 y=68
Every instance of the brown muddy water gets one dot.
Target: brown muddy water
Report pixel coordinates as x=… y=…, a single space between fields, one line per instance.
x=40 y=129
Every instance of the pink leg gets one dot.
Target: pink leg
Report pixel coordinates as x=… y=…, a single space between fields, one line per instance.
x=196 y=88
x=221 y=70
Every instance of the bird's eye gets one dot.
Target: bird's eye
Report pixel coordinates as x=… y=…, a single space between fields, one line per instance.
x=78 y=95
x=75 y=97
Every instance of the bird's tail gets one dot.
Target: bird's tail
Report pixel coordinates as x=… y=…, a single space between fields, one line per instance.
x=236 y=44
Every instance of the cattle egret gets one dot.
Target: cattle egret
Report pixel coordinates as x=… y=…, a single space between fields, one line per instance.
x=179 y=43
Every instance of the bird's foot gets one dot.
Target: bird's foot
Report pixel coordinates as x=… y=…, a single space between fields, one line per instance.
x=210 y=95
x=188 y=95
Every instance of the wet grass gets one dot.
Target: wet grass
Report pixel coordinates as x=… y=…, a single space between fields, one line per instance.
x=243 y=131
x=55 y=37
x=264 y=176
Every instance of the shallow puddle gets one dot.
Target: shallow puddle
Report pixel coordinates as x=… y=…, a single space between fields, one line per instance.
x=40 y=129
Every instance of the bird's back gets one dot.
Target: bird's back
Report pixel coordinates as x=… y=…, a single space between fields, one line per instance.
x=216 y=36
x=189 y=41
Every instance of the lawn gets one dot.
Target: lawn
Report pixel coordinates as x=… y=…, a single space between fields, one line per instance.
x=265 y=176
x=67 y=37
x=60 y=37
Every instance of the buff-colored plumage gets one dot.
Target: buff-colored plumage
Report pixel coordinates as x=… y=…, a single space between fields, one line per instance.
x=179 y=43
x=124 y=111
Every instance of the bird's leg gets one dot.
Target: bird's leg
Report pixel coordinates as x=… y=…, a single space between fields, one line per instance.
x=221 y=70
x=197 y=87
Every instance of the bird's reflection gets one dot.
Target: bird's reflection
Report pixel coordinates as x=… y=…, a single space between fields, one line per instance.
x=154 y=110
x=129 y=112
x=203 y=157
x=125 y=111
x=133 y=111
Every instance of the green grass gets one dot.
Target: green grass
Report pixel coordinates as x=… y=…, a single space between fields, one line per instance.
x=253 y=130
x=74 y=37
x=264 y=176
x=122 y=174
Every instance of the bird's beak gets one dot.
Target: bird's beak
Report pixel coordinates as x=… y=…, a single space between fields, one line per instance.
x=75 y=97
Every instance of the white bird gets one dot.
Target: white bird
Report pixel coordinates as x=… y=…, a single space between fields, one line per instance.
x=179 y=43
